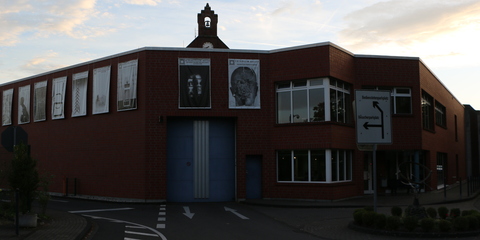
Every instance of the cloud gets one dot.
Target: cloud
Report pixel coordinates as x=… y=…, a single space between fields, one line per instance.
x=41 y=63
x=43 y=19
x=144 y=2
x=404 y=22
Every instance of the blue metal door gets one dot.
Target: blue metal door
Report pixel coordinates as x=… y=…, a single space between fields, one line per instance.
x=200 y=160
x=254 y=177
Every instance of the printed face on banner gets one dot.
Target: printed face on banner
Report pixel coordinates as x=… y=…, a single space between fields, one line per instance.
x=40 y=102
x=24 y=104
x=244 y=83
x=79 y=94
x=58 y=97
x=7 y=107
x=194 y=83
x=127 y=86
x=101 y=89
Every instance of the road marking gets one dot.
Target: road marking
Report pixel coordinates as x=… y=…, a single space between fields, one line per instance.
x=101 y=210
x=161 y=220
x=131 y=223
x=236 y=213
x=143 y=234
x=187 y=212
x=160 y=226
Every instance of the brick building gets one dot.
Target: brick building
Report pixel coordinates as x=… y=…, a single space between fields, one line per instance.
x=220 y=124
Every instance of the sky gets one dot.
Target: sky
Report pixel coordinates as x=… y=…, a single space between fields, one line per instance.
x=37 y=36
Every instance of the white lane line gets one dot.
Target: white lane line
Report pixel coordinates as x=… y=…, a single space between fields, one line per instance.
x=101 y=210
x=131 y=223
x=143 y=234
x=162 y=226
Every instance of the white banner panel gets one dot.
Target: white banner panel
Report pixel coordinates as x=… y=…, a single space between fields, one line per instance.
x=127 y=85
x=7 y=107
x=101 y=89
x=79 y=94
x=58 y=97
x=244 y=83
x=40 y=101
x=24 y=104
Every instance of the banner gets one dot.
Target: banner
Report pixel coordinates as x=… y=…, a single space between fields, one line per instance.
x=58 y=97
x=79 y=94
x=194 y=82
x=40 y=101
x=127 y=85
x=101 y=89
x=244 y=83
x=7 y=107
x=24 y=104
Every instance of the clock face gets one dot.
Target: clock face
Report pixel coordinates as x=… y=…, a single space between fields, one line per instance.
x=207 y=45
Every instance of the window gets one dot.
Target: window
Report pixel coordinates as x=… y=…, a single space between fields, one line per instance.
x=305 y=101
x=427 y=111
x=401 y=99
x=440 y=116
x=314 y=165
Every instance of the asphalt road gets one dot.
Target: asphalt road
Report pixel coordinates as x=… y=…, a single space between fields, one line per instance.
x=179 y=221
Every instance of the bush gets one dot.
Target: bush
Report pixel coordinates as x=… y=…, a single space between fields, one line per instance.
x=432 y=212
x=473 y=222
x=410 y=223
x=427 y=224
x=444 y=225
x=368 y=218
x=455 y=212
x=380 y=221
x=460 y=223
x=393 y=222
x=443 y=212
x=396 y=211
x=358 y=215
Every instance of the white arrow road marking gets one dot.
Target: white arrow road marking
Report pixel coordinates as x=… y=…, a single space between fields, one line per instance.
x=187 y=212
x=236 y=213
x=100 y=210
x=130 y=223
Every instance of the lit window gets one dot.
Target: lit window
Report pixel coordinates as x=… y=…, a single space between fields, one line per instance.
x=324 y=166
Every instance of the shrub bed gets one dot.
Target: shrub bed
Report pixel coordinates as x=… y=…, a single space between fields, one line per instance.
x=441 y=222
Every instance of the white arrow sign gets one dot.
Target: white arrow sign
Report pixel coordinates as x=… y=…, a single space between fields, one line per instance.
x=236 y=213
x=187 y=212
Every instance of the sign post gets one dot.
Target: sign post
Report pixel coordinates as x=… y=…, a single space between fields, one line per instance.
x=373 y=124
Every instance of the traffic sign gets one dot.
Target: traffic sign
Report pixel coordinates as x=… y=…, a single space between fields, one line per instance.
x=373 y=117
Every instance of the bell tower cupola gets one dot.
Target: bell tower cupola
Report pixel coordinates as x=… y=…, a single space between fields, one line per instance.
x=207 y=30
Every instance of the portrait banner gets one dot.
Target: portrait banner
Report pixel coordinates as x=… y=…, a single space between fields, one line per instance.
x=244 y=83
x=24 y=104
x=194 y=83
x=59 y=86
x=101 y=89
x=7 y=107
x=79 y=94
x=40 y=101
x=127 y=85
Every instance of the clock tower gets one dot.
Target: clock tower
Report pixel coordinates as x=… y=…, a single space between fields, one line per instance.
x=207 y=31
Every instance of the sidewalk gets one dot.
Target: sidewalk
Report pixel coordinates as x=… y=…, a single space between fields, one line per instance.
x=69 y=226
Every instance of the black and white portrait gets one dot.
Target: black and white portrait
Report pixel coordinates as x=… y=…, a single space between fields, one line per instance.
x=40 y=101
x=244 y=83
x=24 y=104
x=127 y=85
x=101 y=89
x=7 y=107
x=79 y=94
x=194 y=83
x=58 y=97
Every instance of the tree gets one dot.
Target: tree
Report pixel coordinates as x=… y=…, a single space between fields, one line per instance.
x=24 y=176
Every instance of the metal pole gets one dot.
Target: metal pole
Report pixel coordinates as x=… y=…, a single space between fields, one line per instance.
x=17 y=215
x=375 y=177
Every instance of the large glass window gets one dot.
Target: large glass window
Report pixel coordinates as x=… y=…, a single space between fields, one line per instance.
x=314 y=165
x=440 y=114
x=307 y=101
x=427 y=111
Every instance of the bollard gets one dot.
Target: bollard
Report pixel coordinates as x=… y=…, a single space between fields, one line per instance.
x=460 y=187
x=17 y=215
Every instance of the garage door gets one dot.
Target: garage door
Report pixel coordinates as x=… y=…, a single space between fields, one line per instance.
x=200 y=160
